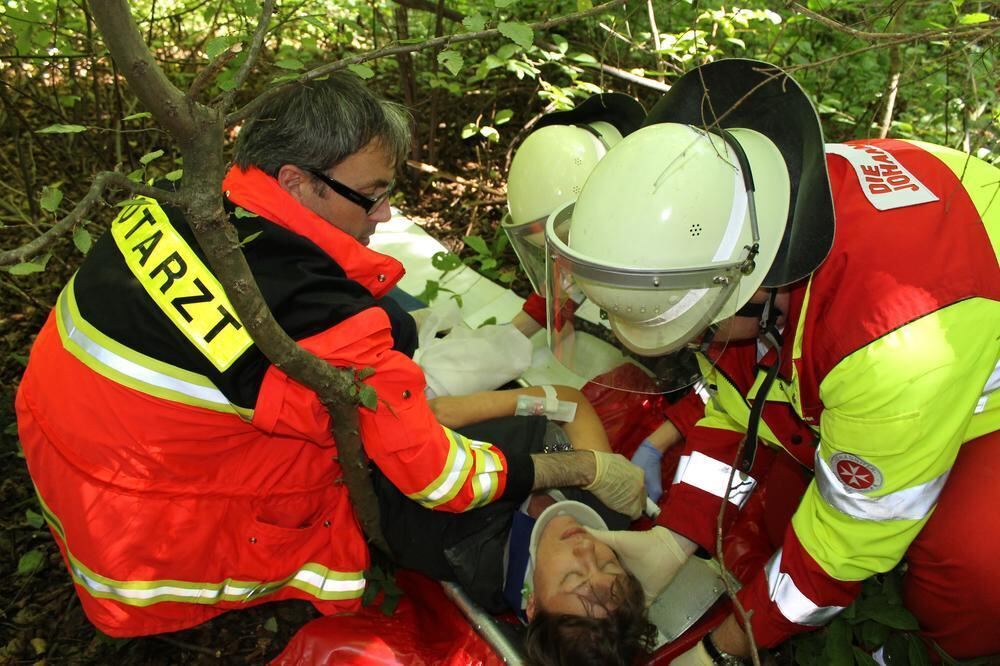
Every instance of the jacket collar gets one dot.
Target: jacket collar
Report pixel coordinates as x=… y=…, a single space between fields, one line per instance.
x=260 y=194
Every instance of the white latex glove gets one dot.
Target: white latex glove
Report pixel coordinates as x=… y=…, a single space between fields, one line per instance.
x=652 y=556
x=696 y=656
x=619 y=484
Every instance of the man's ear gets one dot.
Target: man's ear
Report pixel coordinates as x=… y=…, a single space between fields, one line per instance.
x=530 y=609
x=293 y=180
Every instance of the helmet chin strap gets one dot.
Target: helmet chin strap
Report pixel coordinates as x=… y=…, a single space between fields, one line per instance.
x=772 y=338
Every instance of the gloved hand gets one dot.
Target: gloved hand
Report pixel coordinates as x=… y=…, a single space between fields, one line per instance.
x=618 y=483
x=648 y=457
x=652 y=556
x=696 y=656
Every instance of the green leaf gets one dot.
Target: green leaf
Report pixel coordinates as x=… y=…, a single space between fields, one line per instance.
x=216 y=46
x=490 y=133
x=271 y=624
x=51 y=198
x=471 y=129
x=289 y=63
x=862 y=658
x=584 y=5
x=69 y=101
x=174 y=175
x=365 y=373
x=33 y=519
x=29 y=267
x=474 y=22
x=502 y=116
x=362 y=71
x=451 y=60
x=82 y=240
x=837 y=651
x=896 y=617
x=243 y=212
x=138 y=116
x=30 y=562
x=249 y=239
x=503 y=4
x=506 y=52
x=60 y=128
x=149 y=157
x=976 y=17
x=368 y=397
x=519 y=33
x=478 y=244
x=430 y=292
x=917 y=651
x=445 y=261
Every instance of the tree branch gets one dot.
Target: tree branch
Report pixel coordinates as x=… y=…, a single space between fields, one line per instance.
x=256 y=45
x=103 y=181
x=323 y=70
x=200 y=132
x=902 y=37
x=427 y=6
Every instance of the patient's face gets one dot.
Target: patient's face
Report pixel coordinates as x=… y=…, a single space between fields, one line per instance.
x=574 y=573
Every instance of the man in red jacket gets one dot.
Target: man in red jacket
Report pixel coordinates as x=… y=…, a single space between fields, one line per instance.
x=180 y=472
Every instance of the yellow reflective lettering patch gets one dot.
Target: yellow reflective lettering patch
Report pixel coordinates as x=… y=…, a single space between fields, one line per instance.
x=179 y=283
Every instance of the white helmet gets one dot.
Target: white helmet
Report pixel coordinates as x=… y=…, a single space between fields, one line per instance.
x=681 y=209
x=686 y=218
x=551 y=166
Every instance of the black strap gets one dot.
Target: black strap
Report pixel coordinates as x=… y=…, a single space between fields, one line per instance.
x=772 y=337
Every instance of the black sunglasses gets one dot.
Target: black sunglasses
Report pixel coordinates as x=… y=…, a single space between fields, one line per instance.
x=369 y=204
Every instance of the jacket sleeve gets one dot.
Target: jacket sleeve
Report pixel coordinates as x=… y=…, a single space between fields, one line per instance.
x=429 y=463
x=888 y=441
x=705 y=473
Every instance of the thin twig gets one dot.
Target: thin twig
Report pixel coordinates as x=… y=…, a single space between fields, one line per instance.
x=256 y=45
x=101 y=182
x=974 y=28
x=323 y=70
x=206 y=75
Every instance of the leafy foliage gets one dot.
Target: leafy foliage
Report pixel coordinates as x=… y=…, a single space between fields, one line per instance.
x=66 y=114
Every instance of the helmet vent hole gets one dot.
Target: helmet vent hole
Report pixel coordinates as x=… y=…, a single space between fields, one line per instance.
x=578 y=161
x=695 y=230
x=576 y=189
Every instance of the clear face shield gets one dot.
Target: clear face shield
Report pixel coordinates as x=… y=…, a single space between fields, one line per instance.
x=528 y=241
x=658 y=320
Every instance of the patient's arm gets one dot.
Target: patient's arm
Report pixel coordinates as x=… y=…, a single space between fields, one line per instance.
x=585 y=431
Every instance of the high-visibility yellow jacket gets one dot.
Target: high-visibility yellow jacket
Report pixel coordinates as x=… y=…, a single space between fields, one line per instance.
x=890 y=364
x=182 y=474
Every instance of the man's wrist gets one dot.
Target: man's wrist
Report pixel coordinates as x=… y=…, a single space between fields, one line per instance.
x=564 y=469
x=719 y=656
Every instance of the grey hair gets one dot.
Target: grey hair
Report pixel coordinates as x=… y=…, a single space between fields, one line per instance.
x=318 y=124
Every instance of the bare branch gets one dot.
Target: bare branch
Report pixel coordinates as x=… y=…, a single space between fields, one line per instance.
x=255 y=48
x=147 y=80
x=206 y=75
x=103 y=181
x=727 y=577
x=896 y=37
x=427 y=6
x=323 y=70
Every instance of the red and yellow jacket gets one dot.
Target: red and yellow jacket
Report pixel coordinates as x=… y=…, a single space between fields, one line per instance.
x=890 y=364
x=182 y=474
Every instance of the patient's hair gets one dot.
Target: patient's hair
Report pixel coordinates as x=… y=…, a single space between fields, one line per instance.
x=619 y=638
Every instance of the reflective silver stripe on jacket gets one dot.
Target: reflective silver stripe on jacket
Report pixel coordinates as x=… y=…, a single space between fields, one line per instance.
x=793 y=604
x=129 y=368
x=712 y=476
x=911 y=503
x=992 y=384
